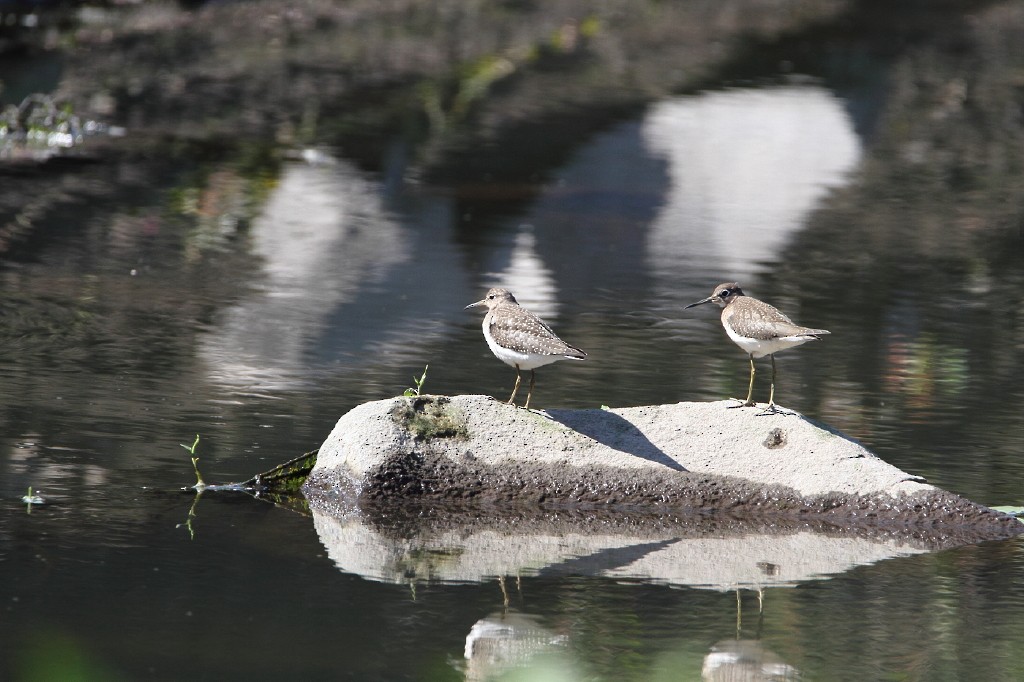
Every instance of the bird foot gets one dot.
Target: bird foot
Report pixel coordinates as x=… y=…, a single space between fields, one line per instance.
x=742 y=403
x=772 y=408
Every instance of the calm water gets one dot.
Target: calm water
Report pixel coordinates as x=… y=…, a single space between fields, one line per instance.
x=252 y=293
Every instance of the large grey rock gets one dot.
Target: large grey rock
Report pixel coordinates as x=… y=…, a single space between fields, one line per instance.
x=685 y=457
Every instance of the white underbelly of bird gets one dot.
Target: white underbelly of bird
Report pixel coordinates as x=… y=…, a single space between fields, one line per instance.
x=762 y=347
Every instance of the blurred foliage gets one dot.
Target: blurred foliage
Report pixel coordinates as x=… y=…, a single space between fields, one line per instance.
x=37 y=129
x=300 y=72
x=59 y=656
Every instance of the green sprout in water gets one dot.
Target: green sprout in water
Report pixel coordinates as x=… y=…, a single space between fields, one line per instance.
x=192 y=515
x=200 y=484
x=31 y=499
x=415 y=392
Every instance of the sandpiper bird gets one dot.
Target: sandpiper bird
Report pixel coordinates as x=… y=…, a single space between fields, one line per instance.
x=519 y=338
x=758 y=328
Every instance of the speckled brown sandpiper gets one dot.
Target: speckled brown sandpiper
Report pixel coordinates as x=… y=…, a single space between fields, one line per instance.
x=758 y=328
x=520 y=339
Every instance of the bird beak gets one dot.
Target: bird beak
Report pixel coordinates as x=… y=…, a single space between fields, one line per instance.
x=706 y=300
x=473 y=305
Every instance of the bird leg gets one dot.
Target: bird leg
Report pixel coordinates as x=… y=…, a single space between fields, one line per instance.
x=514 y=388
x=529 y=394
x=771 y=396
x=750 y=389
x=771 y=409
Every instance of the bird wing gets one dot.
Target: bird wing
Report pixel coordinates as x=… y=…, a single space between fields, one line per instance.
x=769 y=323
x=527 y=333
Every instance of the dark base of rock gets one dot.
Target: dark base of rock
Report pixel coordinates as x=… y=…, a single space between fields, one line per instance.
x=419 y=518
x=467 y=489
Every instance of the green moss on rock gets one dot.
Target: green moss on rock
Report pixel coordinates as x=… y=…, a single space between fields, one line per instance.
x=429 y=417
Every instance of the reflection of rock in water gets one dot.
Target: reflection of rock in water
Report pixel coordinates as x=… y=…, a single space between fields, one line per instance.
x=323 y=236
x=466 y=548
x=505 y=640
x=527 y=273
x=745 y=660
x=746 y=167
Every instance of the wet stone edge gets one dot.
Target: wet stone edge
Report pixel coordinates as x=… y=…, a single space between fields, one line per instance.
x=428 y=480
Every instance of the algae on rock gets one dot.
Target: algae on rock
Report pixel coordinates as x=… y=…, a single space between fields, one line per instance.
x=429 y=417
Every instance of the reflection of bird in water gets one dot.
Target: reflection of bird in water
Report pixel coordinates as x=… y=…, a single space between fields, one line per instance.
x=746 y=660
x=503 y=641
x=520 y=339
x=757 y=328
x=504 y=592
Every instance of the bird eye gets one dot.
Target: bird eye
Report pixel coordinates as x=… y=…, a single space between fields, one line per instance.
x=723 y=293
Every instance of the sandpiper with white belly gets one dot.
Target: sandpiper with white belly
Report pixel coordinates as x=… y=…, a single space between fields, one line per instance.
x=758 y=328
x=520 y=339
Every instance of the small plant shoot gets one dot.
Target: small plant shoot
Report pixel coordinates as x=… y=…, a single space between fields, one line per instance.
x=416 y=392
x=200 y=484
x=31 y=499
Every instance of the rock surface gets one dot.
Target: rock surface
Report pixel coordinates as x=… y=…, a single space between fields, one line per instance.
x=685 y=457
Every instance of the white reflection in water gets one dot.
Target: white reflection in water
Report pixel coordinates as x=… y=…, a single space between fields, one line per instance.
x=504 y=641
x=323 y=236
x=746 y=660
x=527 y=277
x=747 y=560
x=746 y=168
